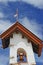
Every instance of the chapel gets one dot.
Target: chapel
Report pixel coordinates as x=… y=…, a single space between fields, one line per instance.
x=22 y=43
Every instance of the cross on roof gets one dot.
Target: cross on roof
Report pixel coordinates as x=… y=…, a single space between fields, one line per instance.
x=16 y=15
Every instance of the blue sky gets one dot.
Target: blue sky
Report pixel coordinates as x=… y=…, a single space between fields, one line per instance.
x=30 y=14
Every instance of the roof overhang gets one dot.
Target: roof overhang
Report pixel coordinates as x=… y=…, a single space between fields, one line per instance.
x=26 y=32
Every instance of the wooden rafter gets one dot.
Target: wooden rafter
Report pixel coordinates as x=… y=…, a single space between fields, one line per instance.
x=40 y=50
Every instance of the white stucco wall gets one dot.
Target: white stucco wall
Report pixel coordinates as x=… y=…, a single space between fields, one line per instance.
x=20 y=42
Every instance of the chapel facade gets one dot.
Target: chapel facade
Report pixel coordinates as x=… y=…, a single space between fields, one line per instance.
x=23 y=44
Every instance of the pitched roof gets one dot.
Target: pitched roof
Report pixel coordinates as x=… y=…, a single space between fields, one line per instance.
x=25 y=31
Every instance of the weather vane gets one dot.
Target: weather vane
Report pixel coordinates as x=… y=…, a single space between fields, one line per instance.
x=16 y=15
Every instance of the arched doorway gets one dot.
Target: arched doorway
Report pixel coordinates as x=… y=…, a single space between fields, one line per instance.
x=21 y=55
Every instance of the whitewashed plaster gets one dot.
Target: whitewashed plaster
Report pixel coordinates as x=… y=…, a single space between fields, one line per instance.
x=20 y=42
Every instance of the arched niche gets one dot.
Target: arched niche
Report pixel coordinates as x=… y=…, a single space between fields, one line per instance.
x=21 y=55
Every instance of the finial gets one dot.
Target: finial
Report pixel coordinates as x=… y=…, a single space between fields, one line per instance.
x=16 y=15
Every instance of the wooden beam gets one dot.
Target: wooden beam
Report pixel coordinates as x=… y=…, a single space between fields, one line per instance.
x=11 y=35
x=40 y=50
x=3 y=43
x=22 y=36
x=17 y=31
x=29 y=41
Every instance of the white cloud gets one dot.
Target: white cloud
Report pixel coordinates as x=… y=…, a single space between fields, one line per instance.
x=37 y=3
x=4 y=25
x=32 y=26
x=2 y=15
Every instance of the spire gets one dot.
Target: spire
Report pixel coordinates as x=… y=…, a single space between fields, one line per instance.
x=16 y=15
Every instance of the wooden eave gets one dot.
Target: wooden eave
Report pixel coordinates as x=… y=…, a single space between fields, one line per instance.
x=17 y=25
x=25 y=31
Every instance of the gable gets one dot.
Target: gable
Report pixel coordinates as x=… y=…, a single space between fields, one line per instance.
x=25 y=32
